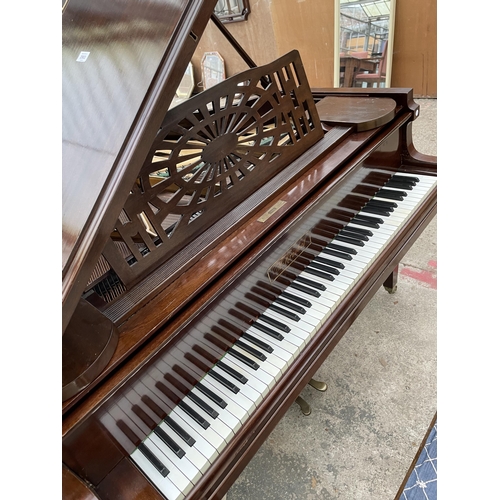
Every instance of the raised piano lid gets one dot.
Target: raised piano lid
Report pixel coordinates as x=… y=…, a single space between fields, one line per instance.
x=122 y=61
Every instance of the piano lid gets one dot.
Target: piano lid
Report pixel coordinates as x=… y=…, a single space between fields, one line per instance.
x=122 y=61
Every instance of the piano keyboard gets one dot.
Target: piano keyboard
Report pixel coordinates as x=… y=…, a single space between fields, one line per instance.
x=237 y=364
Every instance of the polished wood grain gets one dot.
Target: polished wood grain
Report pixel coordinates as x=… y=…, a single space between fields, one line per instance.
x=363 y=112
x=90 y=450
x=134 y=331
x=73 y=488
x=122 y=62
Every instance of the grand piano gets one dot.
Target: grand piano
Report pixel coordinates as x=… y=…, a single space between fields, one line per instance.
x=215 y=251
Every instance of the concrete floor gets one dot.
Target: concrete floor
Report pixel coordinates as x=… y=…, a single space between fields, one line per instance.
x=365 y=430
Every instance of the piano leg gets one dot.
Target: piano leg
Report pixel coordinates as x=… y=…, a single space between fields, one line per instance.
x=391 y=283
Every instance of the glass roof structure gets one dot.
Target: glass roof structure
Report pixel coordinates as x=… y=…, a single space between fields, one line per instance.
x=364 y=25
x=368 y=9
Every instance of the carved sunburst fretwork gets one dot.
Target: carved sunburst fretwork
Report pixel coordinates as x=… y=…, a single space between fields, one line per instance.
x=209 y=154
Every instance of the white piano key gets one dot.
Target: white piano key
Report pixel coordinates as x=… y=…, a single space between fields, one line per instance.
x=192 y=453
x=164 y=484
x=243 y=404
x=209 y=451
x=259 y=381
x=175 y=475
x=247 y=390
x=209 y=435
x=225 y=415
x=267 y=365
x=238 y=399
x=183 y=465
x=217 y=425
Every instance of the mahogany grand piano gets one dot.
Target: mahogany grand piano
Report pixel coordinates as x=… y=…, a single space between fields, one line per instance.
x=215 y=252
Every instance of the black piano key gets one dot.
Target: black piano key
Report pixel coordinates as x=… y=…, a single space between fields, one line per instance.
x=384 y=204
x=354 y=235
x=391 y=195
x=377 y=205
x=179 y=452
x=376 y=210
x=399 y=185
x=194 y=415
x=324 y=267
x=341 y=248
x=179 y=431
x=224 y=381
x=298 y=300
x=191 y=378
x=129 y=433
x=275 y=323
x=358 y=219
x=211 y=395
x=284 y=312
x=314 y=271
x=259 y=343
x=337 y=253
x=330 y=263
x=153 y=459
x=248 y=348
x=369 y=218
x=144 y=416
x=359 y=230
x=290 y=305
x=405 y=178
x=233 y=373
x=244 y=359
x=268 y=331
x=305 y=289
x=204 y=406
x=311 y=283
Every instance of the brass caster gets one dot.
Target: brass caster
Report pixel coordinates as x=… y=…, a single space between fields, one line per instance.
x=391 y=290
x=304 y=406
x=319 y=386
